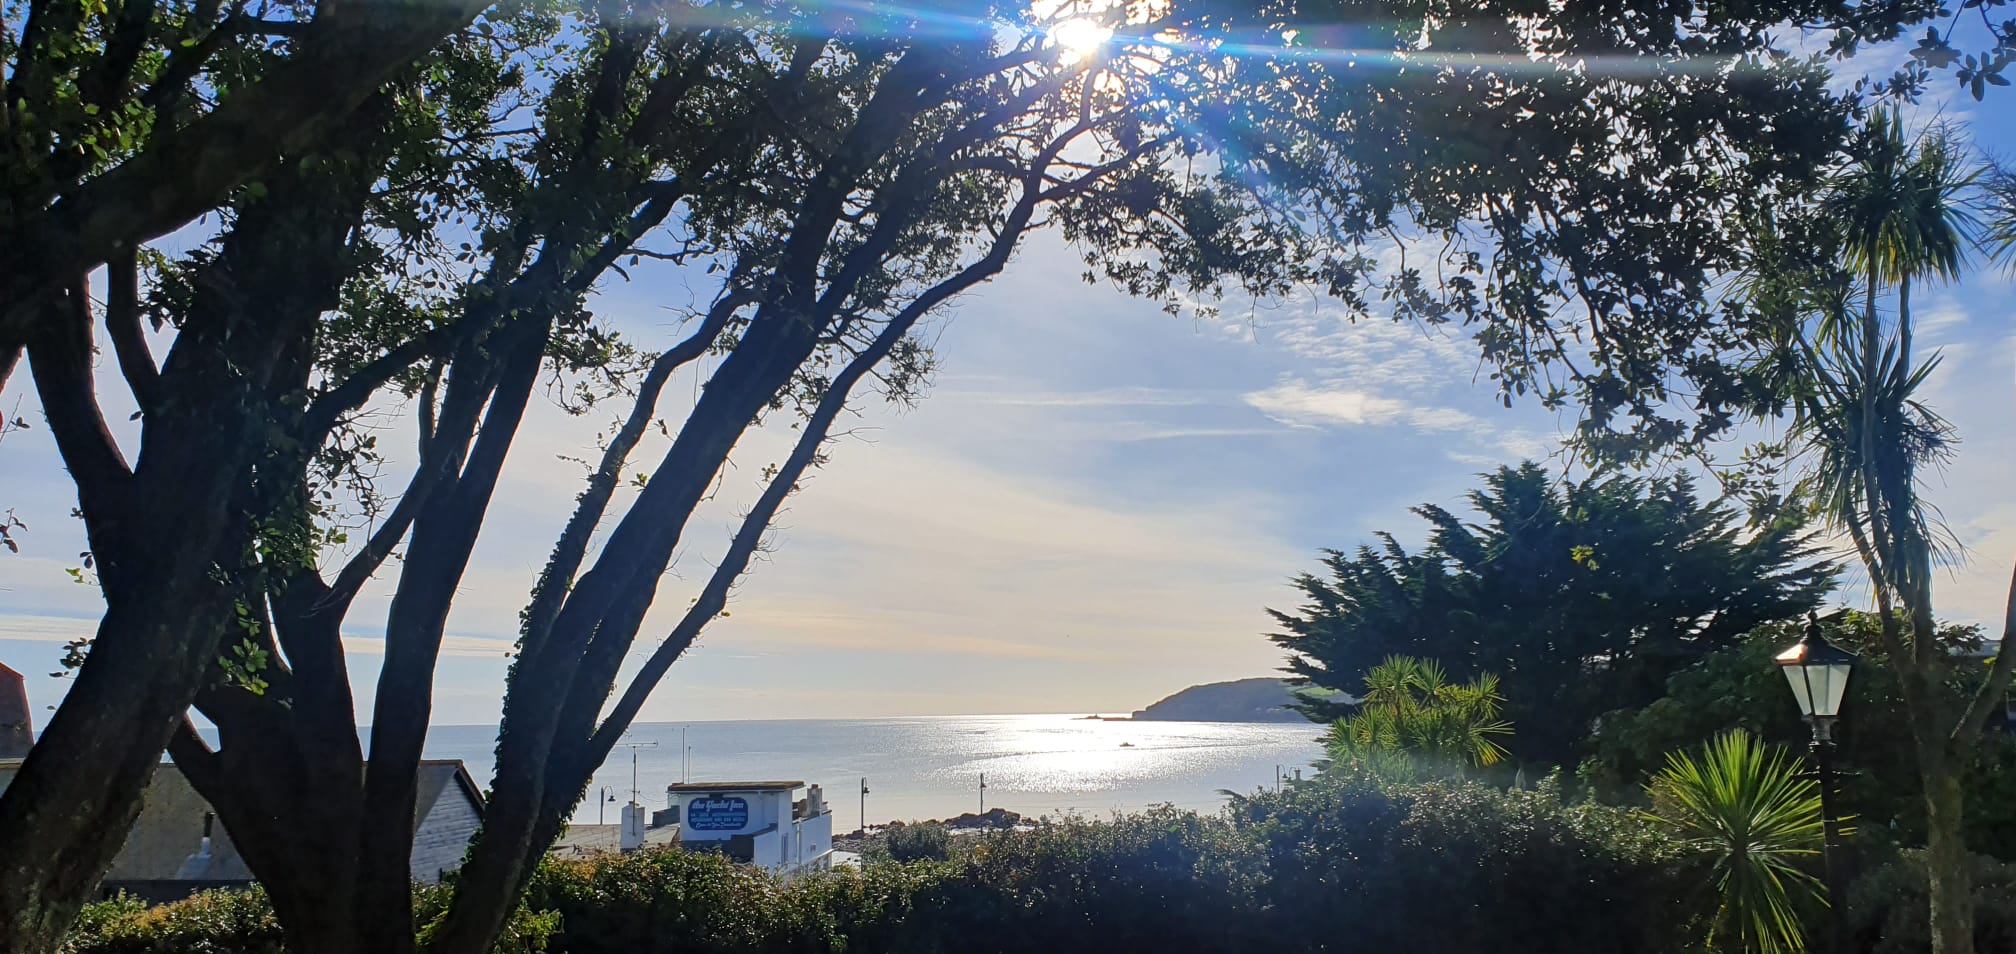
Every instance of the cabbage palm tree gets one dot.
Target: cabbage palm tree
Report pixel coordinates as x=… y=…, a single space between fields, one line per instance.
x=1901 y=216
x=1413 y=717
x=1902 y=213
x=1749 y=809
x=2000 y=225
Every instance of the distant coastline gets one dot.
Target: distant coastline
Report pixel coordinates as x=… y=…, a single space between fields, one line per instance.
x=1261 y=699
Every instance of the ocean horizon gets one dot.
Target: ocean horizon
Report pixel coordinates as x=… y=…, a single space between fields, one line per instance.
x=923 y=767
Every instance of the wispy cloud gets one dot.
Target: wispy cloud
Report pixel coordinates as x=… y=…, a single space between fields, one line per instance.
x=1102 y=397
x=1400 y=356
x=1296 y=402
x=63 y=629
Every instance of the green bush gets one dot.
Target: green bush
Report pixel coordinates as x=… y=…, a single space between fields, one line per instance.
x=1887 y=907
x=919 y=843
x=1152 y=882
x=1158 y=881
x=1345 y=866
x=1358 y=866
x=212 y=922
x=669 y=900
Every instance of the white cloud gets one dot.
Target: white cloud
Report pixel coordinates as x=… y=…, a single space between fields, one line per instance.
x=63 y=629
x=468 y=647
x=1102 y=397
x=1297 y=403
x=1397 y=355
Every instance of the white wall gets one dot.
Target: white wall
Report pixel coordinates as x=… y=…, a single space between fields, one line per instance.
x=766 y=808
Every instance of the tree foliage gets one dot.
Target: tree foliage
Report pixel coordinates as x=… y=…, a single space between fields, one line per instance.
x=1583 y=597
x=1410 y=713
x=1741 y=687
x=414 y=216
x=1899 y=213
x=1752 y=810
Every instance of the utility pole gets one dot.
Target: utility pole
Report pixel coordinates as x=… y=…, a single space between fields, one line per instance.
x=685 y=756
x=633 y=747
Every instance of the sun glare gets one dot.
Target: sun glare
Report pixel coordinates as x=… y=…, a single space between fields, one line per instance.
x=1080 y=36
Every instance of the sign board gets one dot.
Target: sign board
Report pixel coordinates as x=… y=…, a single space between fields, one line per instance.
x=717 y=814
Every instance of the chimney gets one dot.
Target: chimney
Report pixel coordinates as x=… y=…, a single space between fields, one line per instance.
x=17 y=730
x=197 y=867
x=632 y=836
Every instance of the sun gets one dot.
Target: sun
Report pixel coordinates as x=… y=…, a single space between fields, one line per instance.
x=1080 y=36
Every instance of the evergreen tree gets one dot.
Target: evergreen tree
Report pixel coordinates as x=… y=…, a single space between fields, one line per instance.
x=1583 y=597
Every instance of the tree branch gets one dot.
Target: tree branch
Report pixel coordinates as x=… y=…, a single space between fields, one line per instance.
x=190 y=170
x=10 y=354
x=122 y=50
x=194 y=757
x=122 y=325
x=572 y=546
x=713 y=598
x=60 y=359
x=325 y=411
x=1997 y=686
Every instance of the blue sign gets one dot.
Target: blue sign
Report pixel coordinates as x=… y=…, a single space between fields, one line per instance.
x=717 y=814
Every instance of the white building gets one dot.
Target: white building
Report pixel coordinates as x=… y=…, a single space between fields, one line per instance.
x=759 y=823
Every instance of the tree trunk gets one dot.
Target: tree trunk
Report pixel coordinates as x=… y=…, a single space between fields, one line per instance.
x=67 y=813
x=1950 y=887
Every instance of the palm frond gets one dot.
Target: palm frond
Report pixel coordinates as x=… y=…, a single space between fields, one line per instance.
x=1909 y=438
x=1757 y=817
x=1900 y=205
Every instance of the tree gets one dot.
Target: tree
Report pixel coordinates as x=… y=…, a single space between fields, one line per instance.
x=1977 y=71
x=1584 y=597
x=838 y=177
x=1751 y=810
x=1897 y=214
x=116 y=134
x=1410 y=708
x=121 y=122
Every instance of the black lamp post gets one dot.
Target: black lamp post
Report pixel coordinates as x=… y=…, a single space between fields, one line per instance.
x=1818 y=671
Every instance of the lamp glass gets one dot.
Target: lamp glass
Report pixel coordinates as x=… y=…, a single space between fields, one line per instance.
x=1796 y=675
x=1834 y=685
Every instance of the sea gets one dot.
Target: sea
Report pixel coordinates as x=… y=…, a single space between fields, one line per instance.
x=933 y=767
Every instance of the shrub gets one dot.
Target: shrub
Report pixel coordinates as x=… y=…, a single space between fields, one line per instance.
x=919 y=843
x=1887 y=907
x=1755 y=815
x=1344 y=865
x=212 y=922
x=1157 y=881
x=1359 y=866
x=667 y=900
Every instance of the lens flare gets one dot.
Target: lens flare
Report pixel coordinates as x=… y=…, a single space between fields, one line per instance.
x=1080 y=36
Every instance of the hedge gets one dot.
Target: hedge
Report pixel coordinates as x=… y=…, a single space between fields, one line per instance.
x=1327 y=866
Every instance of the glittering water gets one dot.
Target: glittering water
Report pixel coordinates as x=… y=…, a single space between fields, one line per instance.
x=932 y=767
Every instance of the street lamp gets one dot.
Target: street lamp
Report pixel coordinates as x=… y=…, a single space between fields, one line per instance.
x=1818 y=671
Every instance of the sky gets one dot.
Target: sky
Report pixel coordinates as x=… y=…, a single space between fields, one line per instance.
x=1092 y=508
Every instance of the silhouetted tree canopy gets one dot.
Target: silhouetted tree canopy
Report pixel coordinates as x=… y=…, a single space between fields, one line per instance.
x=1582 y=597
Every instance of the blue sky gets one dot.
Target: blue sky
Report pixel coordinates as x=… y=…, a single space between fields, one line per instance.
x=1090 y=510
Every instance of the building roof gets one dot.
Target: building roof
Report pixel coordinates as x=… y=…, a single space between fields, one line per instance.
x=733 y=786
x=170 y=826
x=17 y=730
x=436 y=775
x=580 y=840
